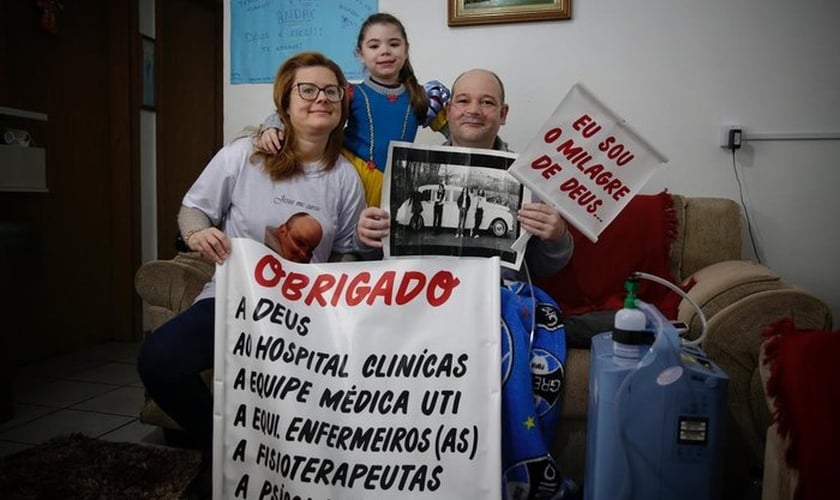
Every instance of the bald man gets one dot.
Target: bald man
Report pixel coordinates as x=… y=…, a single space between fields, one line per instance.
x=475 y=113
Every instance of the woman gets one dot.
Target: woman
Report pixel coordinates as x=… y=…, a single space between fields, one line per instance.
x=239 y=194
x=464 y=200
x=480 y=200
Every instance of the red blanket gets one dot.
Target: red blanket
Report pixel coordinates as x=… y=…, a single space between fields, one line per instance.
x=639 y=239
x=803 y=381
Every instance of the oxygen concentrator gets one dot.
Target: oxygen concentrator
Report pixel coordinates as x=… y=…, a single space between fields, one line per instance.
x=657 y=408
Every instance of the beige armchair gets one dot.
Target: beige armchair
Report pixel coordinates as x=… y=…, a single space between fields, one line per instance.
x=738 y=297
x=167 y=287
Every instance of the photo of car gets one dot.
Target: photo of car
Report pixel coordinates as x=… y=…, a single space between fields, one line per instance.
x=497 y=219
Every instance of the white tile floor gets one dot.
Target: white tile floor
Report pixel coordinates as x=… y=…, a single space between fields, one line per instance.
x=96 y=392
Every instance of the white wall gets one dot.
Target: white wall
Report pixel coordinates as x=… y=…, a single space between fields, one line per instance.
x=676 y=71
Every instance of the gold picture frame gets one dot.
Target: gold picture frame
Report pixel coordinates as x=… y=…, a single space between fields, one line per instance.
x=470 y=12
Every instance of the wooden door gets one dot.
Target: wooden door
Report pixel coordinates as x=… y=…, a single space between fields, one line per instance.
x=189 y=108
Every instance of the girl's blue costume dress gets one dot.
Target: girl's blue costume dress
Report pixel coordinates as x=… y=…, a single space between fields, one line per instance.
x=379 y=115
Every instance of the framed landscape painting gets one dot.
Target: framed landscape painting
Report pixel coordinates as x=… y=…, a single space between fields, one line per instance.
x=470 y=12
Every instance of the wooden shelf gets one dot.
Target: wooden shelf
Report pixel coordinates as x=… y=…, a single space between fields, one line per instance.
x=22 y=113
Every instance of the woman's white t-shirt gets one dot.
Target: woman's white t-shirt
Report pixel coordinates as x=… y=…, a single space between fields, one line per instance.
x=242 y=200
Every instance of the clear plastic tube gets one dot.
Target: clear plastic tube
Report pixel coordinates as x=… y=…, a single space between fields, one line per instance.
x=703 y=325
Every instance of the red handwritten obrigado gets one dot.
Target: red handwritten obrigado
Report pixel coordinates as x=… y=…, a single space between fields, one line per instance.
x=388 y=287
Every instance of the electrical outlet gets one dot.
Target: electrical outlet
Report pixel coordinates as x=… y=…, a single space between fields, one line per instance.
x=731 y=136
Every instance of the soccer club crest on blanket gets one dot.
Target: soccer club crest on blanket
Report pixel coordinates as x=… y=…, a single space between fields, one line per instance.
x=533 y=367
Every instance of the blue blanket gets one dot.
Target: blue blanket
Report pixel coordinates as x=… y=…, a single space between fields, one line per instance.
x=533 y=369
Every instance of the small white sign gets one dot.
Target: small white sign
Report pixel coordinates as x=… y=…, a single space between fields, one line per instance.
x=586 y=162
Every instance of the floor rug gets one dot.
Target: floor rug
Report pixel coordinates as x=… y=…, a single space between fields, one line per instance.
x=77 y=467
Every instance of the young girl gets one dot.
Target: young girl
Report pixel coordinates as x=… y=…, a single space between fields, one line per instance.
x=388 y=105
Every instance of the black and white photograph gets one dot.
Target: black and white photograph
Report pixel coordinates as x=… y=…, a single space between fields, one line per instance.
x=452 y=201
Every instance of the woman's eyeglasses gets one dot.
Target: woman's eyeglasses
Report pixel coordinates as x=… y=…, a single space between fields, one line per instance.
x=309 y=92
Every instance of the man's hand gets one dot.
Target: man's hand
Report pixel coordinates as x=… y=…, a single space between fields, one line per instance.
x=541 y=220
x=270 y=141
x=374 y=224
x=213 y=244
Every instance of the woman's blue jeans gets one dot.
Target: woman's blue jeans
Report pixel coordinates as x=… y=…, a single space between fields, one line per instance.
x=170 y=362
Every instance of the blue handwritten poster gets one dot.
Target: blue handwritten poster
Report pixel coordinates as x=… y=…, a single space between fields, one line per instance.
x=264 y=33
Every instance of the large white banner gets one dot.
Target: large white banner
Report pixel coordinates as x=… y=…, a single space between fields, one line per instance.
x=356 y=380
x=587 y=162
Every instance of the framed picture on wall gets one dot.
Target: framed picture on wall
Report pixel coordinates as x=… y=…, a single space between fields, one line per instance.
x=148 y=72
x=470 y=12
